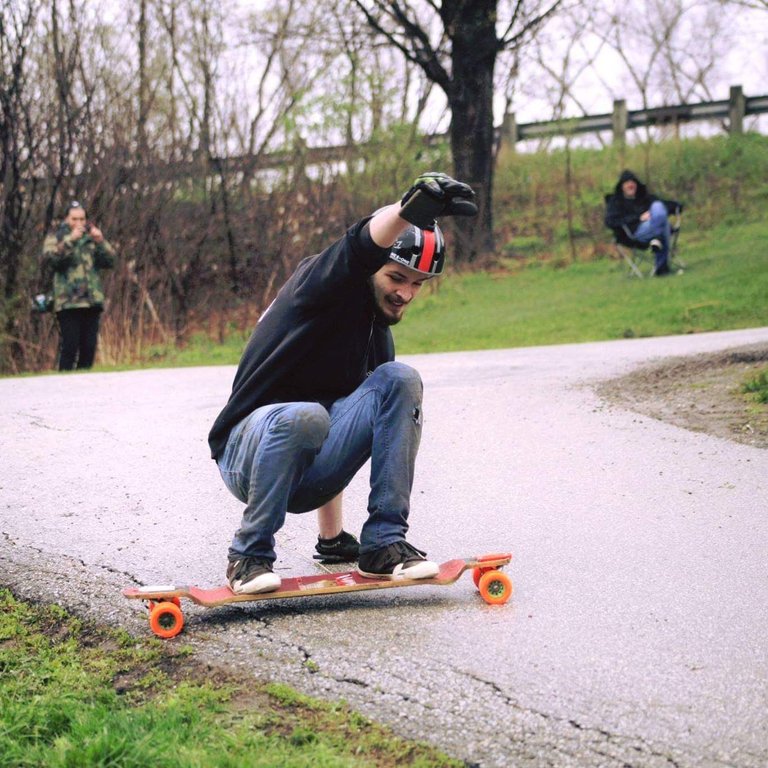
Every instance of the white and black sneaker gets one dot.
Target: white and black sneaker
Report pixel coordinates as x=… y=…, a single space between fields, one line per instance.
x=399 y=560
x=343 y=548
x=251 y=576
x=655 y=245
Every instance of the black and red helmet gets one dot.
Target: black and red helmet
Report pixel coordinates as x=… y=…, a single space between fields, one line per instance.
x=420 y=249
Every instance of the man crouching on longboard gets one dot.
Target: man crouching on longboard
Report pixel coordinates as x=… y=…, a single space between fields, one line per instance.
x=317 y=392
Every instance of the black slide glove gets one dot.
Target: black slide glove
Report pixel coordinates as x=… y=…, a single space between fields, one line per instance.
x=433 y=195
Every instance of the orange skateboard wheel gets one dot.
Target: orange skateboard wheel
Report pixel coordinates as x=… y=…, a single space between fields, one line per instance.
x=495 y=587
x=166 y=619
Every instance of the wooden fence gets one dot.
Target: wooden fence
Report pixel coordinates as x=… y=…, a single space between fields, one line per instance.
x=734 y=110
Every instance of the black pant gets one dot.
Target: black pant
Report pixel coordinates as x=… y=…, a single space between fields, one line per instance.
x=79 y=333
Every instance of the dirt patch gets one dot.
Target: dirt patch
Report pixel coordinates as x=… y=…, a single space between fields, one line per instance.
x=700 y=393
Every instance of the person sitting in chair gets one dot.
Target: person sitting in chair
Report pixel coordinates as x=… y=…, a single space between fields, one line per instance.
x=641 y=217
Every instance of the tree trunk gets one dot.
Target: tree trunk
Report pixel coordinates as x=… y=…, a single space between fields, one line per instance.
x=471 y=131
x=141 y=125
x=472 y=29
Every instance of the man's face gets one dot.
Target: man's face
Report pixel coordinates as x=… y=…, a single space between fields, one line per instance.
x=394 y=287
x=75 y=217
x=629 y=188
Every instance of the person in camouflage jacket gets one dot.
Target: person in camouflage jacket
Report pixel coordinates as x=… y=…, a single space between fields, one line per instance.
x=77 y=253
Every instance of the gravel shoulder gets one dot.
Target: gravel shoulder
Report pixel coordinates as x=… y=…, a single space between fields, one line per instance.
x=701 y=393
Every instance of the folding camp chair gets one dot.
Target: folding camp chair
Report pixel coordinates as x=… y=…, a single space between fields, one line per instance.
x=634 y=253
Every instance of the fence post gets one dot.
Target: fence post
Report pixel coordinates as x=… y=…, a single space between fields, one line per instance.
x=619 y=121
x=508 y=133
x=736 y=108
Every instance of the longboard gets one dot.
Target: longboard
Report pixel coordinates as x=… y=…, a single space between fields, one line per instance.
x=166 y=618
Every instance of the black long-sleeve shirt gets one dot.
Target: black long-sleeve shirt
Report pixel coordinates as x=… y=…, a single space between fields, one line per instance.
x=319 y=338
x=624 y=211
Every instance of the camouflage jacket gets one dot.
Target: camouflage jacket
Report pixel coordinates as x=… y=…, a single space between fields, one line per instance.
x=76 y=266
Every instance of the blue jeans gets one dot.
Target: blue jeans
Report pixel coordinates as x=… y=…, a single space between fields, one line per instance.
x=657 y=226
x=294 y=457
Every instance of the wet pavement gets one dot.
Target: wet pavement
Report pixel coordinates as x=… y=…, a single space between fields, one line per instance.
x=637 y=631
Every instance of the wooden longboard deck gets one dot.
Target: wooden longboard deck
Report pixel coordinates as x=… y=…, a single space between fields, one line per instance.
x=318 y=584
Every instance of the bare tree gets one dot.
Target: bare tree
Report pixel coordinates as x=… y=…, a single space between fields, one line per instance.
x=456 y=43
x=143 y=95
x=671 y=50
x=16 y=137
x=558 y=60
x=757 y=4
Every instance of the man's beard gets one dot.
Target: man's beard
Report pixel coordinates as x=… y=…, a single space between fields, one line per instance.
x=379 y=305
x=385 y=318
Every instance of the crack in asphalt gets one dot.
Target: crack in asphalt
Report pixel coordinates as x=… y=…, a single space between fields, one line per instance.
x=634 y=743
x=83 y=563
x=37 y=421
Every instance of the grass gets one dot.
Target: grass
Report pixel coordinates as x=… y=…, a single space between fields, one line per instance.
x=719 y=179
x=757 y=387
x=76 y=694
x=533 y=302
x=723 y=287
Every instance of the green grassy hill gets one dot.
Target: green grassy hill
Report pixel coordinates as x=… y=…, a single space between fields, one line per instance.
x=555 y=277
x=724 y=286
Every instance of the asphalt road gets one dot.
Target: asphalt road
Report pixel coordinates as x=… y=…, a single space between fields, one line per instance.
x=638 y=632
